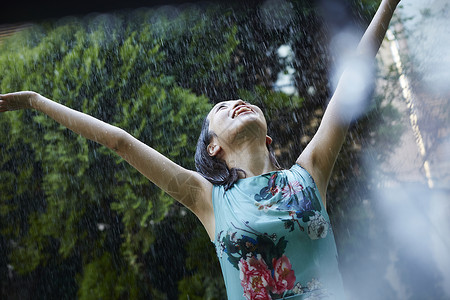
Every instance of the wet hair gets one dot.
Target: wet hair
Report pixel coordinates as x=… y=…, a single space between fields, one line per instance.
x=214 y=169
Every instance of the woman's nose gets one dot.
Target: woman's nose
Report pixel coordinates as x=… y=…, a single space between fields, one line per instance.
x=238 y=102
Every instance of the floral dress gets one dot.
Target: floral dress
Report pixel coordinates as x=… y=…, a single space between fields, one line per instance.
x=274 y=240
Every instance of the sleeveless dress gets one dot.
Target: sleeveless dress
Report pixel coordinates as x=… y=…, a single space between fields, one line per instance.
x=274 y=239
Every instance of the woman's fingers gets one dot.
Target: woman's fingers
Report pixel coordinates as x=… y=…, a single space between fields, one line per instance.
x=14 y=101
x=2 y=104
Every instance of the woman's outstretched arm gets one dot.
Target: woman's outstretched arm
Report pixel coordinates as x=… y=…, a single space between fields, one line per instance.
x=185 y=186
x=321 y=153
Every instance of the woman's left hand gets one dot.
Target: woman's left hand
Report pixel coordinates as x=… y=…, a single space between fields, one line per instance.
x=16 y=101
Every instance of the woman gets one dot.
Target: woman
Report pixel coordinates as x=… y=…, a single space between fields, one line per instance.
x=270 y=226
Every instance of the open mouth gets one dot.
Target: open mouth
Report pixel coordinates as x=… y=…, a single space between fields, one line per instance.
x=241 y=110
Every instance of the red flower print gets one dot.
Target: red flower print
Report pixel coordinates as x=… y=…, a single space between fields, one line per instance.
x=284 y=276
x=291 y=189
x=255 y=278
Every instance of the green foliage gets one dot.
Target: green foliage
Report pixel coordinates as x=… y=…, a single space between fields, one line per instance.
x=102 y=280
x=60 y=188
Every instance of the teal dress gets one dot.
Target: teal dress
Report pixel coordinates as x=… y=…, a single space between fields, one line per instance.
x=274 y=239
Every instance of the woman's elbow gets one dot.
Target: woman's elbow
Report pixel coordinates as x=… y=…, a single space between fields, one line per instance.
x=117 y=140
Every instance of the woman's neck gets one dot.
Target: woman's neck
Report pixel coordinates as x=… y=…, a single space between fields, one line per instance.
x=254 y=160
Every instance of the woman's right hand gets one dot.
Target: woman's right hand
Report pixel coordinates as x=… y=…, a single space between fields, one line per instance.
x=17 y=100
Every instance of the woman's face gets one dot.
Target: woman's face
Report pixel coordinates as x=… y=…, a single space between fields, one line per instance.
x=237 y=119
